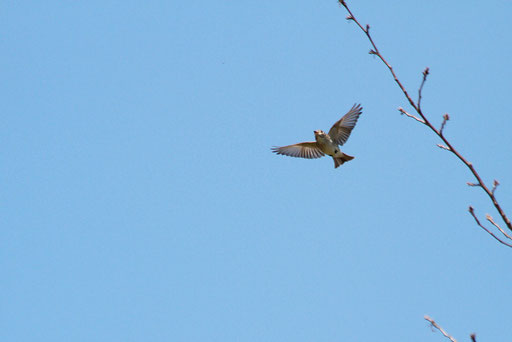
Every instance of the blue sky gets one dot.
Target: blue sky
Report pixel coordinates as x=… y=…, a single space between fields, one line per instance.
x=141 y=200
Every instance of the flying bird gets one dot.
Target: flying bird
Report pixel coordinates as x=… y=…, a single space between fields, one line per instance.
x=326 y=143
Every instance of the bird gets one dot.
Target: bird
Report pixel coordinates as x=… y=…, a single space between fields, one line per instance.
x=326 y=143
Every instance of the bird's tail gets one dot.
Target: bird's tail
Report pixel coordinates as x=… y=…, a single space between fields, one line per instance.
x=340 y=160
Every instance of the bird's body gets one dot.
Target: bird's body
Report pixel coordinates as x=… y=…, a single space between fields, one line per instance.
x=329 y=147
x=326 y=143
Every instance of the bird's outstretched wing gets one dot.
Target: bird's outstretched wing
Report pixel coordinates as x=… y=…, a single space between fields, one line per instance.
x=309 y=150
x=340 y=131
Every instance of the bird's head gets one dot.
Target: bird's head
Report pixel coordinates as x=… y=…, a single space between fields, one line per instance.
x=319 y=133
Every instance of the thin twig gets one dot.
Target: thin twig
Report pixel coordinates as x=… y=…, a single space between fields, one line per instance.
x=425 y=74
x=435 y=325
x=473 y=337
x=490 y=219
x=401 y=110
x=472 y=212
x=447 y=145
x=375 y=51
x=494 y=186
x=446 y=117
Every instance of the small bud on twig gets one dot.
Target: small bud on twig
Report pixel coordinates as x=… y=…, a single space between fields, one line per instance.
x=425 y=73
x=433 y=324
x=494 y=186
x=443 y=147
x=402 y=111
x=349 y=17
x=446 y=117
x=367 y=28
x=490 y=219
x=473 y=184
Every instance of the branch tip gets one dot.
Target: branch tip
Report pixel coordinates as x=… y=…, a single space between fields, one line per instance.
x=446 y=117
x=425 y=73
x=494 y=186
x=472 y=212
x=433 y=324
x=491 y=220
x=402 y=111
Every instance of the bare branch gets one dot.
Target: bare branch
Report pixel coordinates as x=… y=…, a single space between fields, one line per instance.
x=494 y=186
x=490 y=219
x=377 y=52
x=435 y=325
x=446 y=117
x=472 y=212
x=401 y=110
x=425 y=74
x=473 y=337
x=424 y=120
